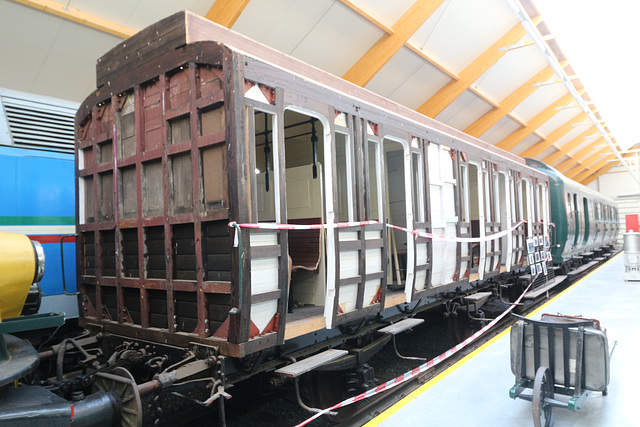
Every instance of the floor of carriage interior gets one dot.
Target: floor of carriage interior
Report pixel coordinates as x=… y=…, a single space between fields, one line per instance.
x=309 y=318
x=475 y=392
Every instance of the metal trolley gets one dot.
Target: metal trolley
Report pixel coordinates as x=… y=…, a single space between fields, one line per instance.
x=561 y=355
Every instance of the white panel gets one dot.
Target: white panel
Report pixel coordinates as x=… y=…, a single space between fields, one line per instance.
x=538 y=101
x=446 y=34
x=304 y=194
x=500 y=130
x=421 y=277
x=280 y=23
x=349 y=264
x=448 y=202
x=264 y=239
x=436 y=205
x=266 y=200
x=262 y=313
x=264 y=275
x=525 y=144
x=348 y=297
x=510 y=72
x=372 y=235
x=437 y=261
x=323 y=33
x=421 y=250
x=348 y=236
x=49 y=56
x=371 y=288
x=408 y=79
x=385 y=11
x=561 y=117
x=373 y=260
x=466 y=109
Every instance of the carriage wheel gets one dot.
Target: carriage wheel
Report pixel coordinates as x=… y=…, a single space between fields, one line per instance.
x=542 y=389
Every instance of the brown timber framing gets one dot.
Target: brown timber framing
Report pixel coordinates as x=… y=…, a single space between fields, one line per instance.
x=322 y=98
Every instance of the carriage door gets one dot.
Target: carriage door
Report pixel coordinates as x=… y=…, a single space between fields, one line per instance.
x=492 y=223
x=359 y=267
x=504 y=197
x=444 y=221
x=421 y=224
x=576 y=214
x=517 y=214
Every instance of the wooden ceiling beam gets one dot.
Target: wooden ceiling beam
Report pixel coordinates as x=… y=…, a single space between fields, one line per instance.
x=586 y=163
x=600 y=172
x=383 y=50
x=226 y=12
x=580 y=177
x=446 y=95
x=538 y=148
x=575 y=159
x=517 y=136
x=566 y=148
x=492 y=117
x=63 y=11
x=565 y=166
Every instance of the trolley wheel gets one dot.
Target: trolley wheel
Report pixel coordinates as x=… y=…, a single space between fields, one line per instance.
x=120 y=381
x=542 y=389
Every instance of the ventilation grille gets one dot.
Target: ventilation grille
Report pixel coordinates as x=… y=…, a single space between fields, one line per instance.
x=39 y=125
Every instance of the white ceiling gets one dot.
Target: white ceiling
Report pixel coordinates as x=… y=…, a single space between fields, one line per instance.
x=48 y=55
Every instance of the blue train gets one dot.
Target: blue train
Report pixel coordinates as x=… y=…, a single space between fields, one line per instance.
x=37 y=187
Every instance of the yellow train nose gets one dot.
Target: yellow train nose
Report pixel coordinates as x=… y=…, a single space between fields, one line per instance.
x=21 y=264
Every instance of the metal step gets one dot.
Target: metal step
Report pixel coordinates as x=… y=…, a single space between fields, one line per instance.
x=310 y=363
x=537 y=292
x=478 y=296
x=582 y=268
x=401 y=326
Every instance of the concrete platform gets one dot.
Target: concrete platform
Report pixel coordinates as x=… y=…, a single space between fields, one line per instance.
x=476 y=391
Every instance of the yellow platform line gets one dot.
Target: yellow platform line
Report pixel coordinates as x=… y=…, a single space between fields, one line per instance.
x=435 y=380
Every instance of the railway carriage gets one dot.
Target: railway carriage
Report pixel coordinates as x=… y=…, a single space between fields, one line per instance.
x=200 y=134
x=584 y=219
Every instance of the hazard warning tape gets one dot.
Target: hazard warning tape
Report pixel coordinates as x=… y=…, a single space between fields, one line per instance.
x=420 y=369
x=415 y=233
x=490 y=237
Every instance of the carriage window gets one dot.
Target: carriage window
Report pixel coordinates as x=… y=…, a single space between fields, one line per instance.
x=374 y=180
x=498 y=197
x=487 y=197
x=396 y=207
x=418 y=187
x=464 y=194
x=514 y=201
x=474 y=200
x=264 y=170
x=343 y=177
x=525 y=195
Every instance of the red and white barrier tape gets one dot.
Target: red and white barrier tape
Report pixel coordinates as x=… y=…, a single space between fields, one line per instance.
x=416 y=371
x=495 y=236
x=275 y=226
x=416 y=234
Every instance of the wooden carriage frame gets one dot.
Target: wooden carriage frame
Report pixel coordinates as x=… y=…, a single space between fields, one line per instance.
x=176 y=58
